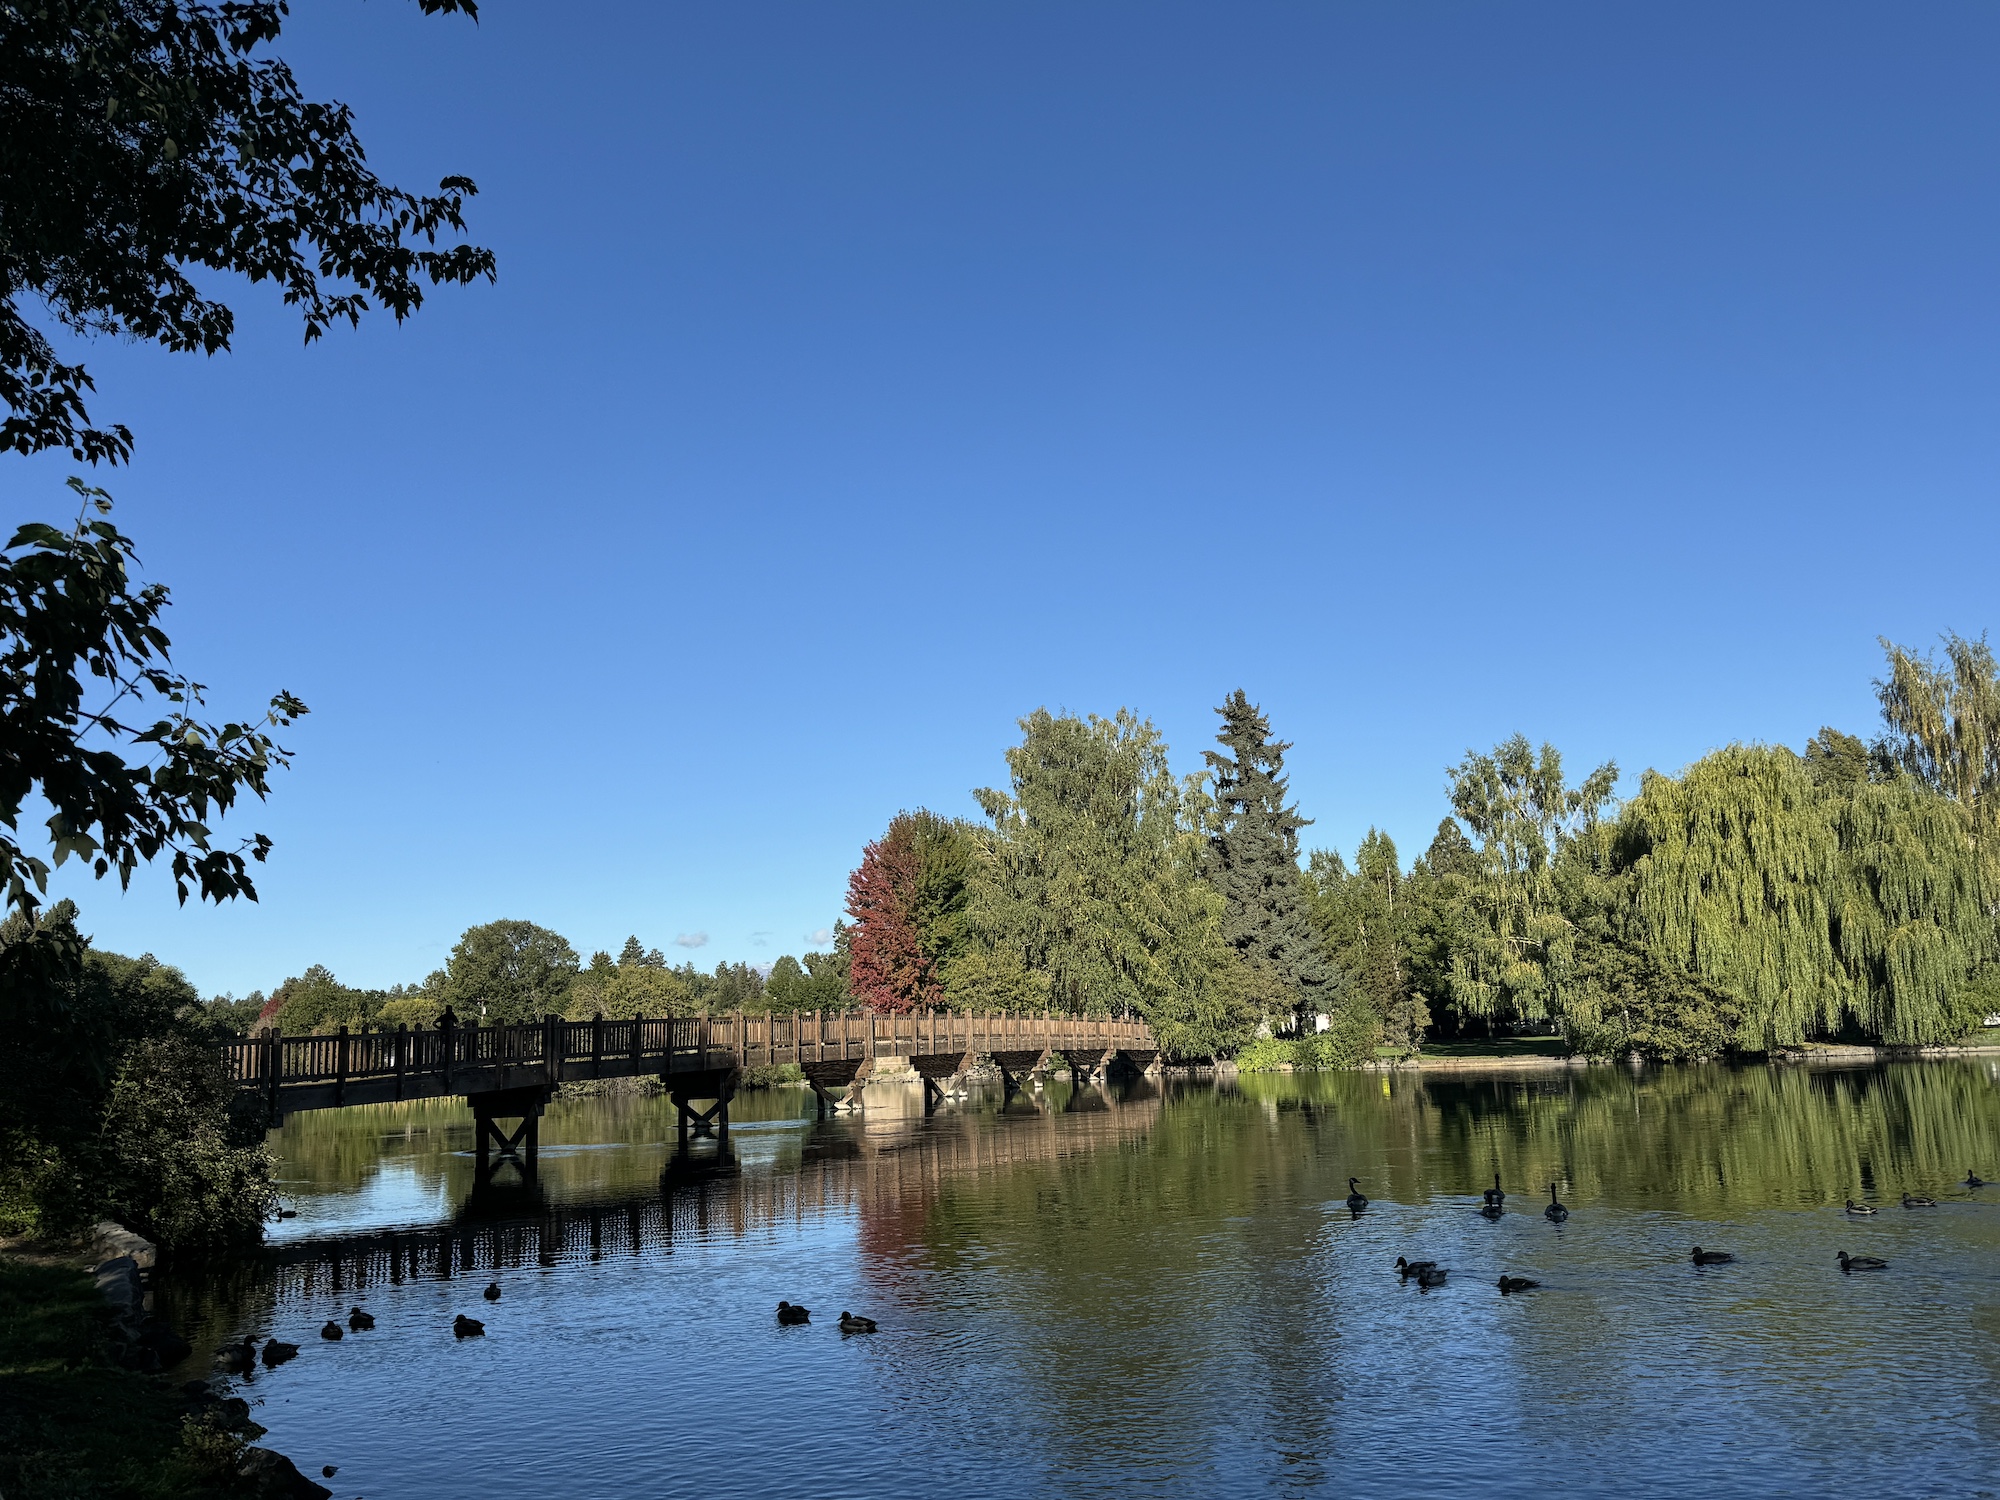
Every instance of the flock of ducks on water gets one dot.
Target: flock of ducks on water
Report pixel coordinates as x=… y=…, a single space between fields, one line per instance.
x=790 y=1315
x=1428 y=1273
x=240 y=1358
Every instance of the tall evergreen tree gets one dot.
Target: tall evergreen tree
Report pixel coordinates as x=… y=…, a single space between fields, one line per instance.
x=1253 y=856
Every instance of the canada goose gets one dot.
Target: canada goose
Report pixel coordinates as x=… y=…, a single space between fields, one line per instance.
x=789 y=1315
x=1409 y=1268
x=235 y=1359
x=1973 y=1179
x=358 y=1320
x=1555 y=1213
x=333 y=1333
x=492 y=1292
x=1356 y=1200
x=277 y=1351
x=1861 y=1262
x=463 y=1327
x=849 y=1323
x=1433 y=1277
x=1491 y=1210
x=1512 y=1284
x=1858 y=1208
x=1918 y=1200
x=1493 y=1194
x=1703 y=1257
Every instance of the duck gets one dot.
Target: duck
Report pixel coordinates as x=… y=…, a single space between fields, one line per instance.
x=789 y=1316
x=333 y=1333
x=1435 y=1276
x=277 y=1351
x=1703 y=1257
x=463 y=1327
x=1356 y=1200
x=1512 y=1284
x=1973 y=1179
x=1408 y=1268
x=1858 y=1208
x=1918 y=1200
x=849 y=1323
x=1861 y=1262
x=1490 y=1210
x=1494 y=1194
x=1555 y=1213
x=358 y=1320
x=236 y=1359
x=492 y=1292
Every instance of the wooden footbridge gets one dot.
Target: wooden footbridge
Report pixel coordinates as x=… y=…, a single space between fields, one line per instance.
x=509 y=1072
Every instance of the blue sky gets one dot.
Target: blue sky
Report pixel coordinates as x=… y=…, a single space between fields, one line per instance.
x=860 y=377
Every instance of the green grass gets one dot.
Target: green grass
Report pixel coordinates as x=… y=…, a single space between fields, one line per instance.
x=73 y=1426
x=1512 y=1046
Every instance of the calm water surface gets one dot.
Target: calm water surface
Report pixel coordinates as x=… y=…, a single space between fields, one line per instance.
x=1158 y=1290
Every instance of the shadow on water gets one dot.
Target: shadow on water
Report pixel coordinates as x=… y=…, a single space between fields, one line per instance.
x=1157 y=1287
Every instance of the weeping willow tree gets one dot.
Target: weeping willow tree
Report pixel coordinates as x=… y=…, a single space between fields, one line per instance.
x=1733 y=865
x=1516 y=947
x=1822 y=896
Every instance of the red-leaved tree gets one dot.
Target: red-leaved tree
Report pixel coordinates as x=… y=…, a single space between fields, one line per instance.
x=891 y=970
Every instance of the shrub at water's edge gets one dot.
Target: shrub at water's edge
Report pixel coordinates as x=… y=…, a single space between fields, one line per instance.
x=113 y=1102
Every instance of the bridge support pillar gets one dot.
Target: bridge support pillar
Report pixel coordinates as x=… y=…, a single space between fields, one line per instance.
x=718 y=1085
x=1014 y=1066
x=522 y=1145
x=828 y=1076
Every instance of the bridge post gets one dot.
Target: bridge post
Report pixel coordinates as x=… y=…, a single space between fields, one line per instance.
x=716 y=1084
x=522 y=1145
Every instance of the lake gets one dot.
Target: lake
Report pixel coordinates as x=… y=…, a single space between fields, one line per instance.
x=1155 y=1288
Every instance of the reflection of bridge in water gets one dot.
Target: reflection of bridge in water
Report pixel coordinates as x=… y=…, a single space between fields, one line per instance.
x=704 y=1192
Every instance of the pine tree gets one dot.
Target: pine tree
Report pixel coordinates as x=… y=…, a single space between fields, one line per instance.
x=1253 y=857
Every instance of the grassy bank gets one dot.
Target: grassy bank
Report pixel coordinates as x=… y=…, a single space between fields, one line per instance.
x=74 y=1426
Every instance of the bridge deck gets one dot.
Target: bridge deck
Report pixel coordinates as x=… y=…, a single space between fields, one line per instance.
x=371 y=1067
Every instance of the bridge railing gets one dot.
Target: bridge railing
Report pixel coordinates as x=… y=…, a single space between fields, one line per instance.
x=582 y=1049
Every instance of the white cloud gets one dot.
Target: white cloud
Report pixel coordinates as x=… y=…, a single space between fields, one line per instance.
x=819 y=937
x=691 y=940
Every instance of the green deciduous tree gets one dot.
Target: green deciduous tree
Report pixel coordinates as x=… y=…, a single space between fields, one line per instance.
x=1252 y=859
x=1516 y=944
x=141 y=140
x=1368 y=919
x=508 y=972
x=1085 y=896
x=94 y=719
x=112 y=1101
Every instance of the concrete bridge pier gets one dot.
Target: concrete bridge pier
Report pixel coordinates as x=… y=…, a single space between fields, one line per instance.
x=521 y=1145
x=1089 y=1063
x=718 y=1085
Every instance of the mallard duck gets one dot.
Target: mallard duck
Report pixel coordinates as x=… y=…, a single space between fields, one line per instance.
x=1433 y=1277
x=1858 y=1208
x=463 y=1327
x=1409 y=1268
x=1355 y=1198
x=790 y=1315
x=277 y=1351
x=492 y=1292
x=333 y=1333
x=1973 y=1179
x=1918 y=1200
x=1512 y=1284
x=1861 y=1262
x=236 y=1359
x=1703 y=1257
x=849 y=1323
x=1491 y=1210
x=1555 y=1213
x=358 y=1320
x=1493 y=1194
